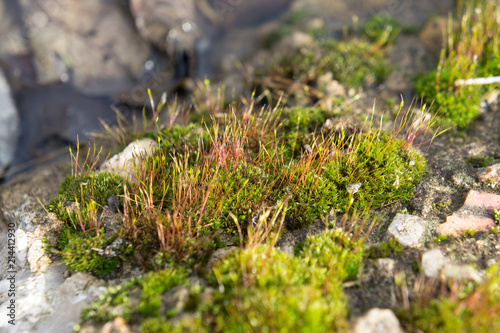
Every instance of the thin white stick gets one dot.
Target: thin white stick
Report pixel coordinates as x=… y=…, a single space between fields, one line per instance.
x=478 y=80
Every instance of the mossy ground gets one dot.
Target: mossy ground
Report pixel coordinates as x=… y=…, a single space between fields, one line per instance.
x=252 y=172
x=471 y=51
x=254 y=289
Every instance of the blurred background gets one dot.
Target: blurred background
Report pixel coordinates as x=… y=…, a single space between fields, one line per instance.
x=65 y=65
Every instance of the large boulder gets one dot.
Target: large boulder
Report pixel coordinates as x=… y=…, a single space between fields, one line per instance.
x=91 y=43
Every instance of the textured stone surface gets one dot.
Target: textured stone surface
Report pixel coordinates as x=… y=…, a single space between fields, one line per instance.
x=125 y=163
x=377 y=321
x=490 y=174
x=91 y=43
x=433 y=262
x=476 y=214
x=407 y=229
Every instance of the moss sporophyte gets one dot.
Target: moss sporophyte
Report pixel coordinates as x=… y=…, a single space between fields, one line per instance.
x=235 y=169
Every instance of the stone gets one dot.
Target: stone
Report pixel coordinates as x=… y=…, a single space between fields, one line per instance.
x=476 y=214
x=21 y=247
x=165 y=21
x=295 y=41
x=461 y=272
x=397 y=81
x=433 y=262
x=9 y=122
x=220 y=254
x=408 y=230
x=126 y=162
x=385 y=267
x=432 y=33
x=378 y=321
x=118 y=324
x=490 y=174
x=92 y=44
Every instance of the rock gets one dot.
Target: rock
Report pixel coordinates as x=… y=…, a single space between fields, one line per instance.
x=116 y=325
x=14 y=46
x=475 y=215
x=165 y=22
x=377 y=321
x=21 y=247
x=9 y=121
x=220 y=254
x=46 y=300
x=433 y=32
x=433 y=262
x=353 y=188
x=490 y=174
x=398 y=82
x=294 y=41
x=461 y=272
x=385 y=267
x=408 y=230
x=92 y=44
x=492 y=98
x=125 y=163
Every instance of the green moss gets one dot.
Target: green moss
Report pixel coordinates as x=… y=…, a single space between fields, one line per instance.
x=334 y=246
x=469 y=233
x=253 y=290
x=481 y=161
x=348 y=61
x=472 y=51
x=154 y=285
x=381 y=27
x=141 y=296
x=390 y=248
x=82 y=253
x=461 y=105
x=96 y=187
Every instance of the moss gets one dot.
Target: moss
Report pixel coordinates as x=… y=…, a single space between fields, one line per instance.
x=141 y=296
x=481 y=161
x=469 y=233
x=381 y=27
x=390 y=248
x=461 y=105
x=469 y=53
x=334 y=246
x=96 y=187
x=348 y=61
x=153 y=287
x=83 y=253
x=254 y=290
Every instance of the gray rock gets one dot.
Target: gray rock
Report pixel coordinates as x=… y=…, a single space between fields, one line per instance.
x=433 y=262
x=9 y=121
x=220 y=254
x=46 y=299
x=378 y=321
x=125 y=163
x=461 y=272
x=92 y=43
x=385 y=267
x=409 y=230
